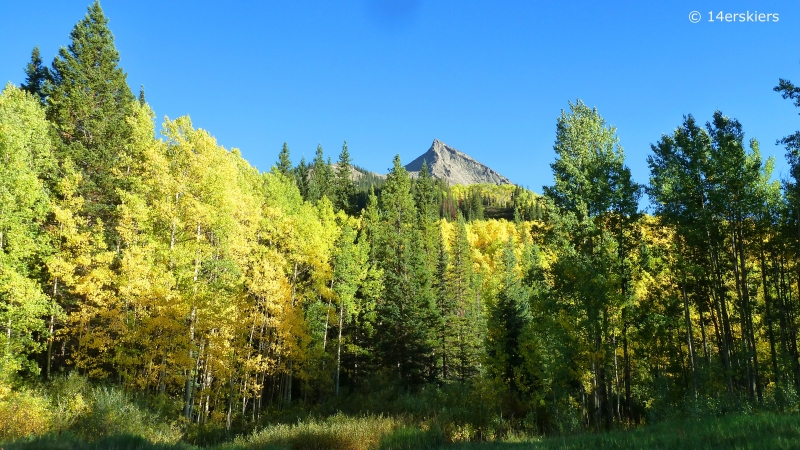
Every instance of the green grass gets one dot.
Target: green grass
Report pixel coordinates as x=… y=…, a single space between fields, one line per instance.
x=756 y=431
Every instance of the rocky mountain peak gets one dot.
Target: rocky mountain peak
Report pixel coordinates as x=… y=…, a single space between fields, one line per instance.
x=455 y=167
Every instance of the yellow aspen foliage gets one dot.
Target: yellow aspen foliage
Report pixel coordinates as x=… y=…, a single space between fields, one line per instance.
x=82 y=262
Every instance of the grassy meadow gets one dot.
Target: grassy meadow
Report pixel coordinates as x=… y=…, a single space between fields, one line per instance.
x=72 y=413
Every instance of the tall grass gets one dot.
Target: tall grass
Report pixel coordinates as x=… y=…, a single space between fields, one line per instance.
x=343 y=432
x=757 y=431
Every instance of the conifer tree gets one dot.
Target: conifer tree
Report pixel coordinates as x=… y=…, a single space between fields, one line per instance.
x=88 y=106
x=444 y=307
x=37 y=77
x=465 y=324
x=425 y=201
x=407 y=310
x=344 y=188
x=284 y=164
x=507 y=318
x=320 y=183
x=301 y=177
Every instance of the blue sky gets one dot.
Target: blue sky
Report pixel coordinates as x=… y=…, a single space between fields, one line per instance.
x=489 y=78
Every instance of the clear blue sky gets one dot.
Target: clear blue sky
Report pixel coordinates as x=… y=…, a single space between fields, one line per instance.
x=489 y=78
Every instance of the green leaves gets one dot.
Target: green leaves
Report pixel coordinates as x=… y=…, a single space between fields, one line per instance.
x=25 y=161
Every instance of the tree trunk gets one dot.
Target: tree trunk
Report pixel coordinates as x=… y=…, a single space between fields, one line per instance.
x=688 y=323
x=339 y=349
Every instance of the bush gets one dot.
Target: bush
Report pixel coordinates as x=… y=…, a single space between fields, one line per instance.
x=23 y=413
x=112 y=412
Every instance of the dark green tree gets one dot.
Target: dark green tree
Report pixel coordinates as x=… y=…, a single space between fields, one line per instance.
x=320 y=181
x=407 y=310
x=88 y=106
x=301 y=177
x=344 y=187
x=507 y=318
x=465 y=323
x=284 y=164
x=37 y=77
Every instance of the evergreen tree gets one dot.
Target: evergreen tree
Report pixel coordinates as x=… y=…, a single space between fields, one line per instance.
x=407 y=311
x=444 y=308
x=320 y=183
x=344 y=188
x=284 y=164
x=88 y=106
x=301 y=177
x=465 y=324
x=428 y=217
x=507 y=319
x=37 y=77
x=424 y=193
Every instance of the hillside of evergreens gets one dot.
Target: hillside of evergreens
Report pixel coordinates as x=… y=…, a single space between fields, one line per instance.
x=157 y=291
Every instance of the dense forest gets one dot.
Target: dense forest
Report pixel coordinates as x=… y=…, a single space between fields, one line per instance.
x=154 y=261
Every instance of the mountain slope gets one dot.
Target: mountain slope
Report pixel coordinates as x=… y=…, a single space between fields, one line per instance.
x=455 y=167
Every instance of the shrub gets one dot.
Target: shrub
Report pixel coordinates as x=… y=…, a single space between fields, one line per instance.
x=113 y=412
x=23 y=413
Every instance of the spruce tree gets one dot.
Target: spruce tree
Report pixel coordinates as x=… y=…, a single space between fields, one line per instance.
x=88 y=106
x=301 y=177
x=444 y=307
x=284 y=164
x=320 y=183
x=508 y=316
x=407 y=311
x=344 y=188
x=37 y=77
x=464 y=319
x=425 y=201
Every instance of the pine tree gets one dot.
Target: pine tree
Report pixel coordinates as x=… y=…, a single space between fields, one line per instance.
x=444 y=308
x=507 y=319
x=465 y=325
x=408 y=309
x=284 y=164
x=37 y=77
x=344 y=188
x=88 y=106
x=320 y=183
x=428 y=224
x=301 y=177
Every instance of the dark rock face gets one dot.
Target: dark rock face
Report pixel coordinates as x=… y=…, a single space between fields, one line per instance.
x=455 y=167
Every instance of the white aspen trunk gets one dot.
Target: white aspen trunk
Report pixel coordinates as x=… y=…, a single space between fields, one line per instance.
x=339 y=349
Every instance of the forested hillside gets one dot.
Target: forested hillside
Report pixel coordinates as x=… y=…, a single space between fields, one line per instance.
x=139 y=255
